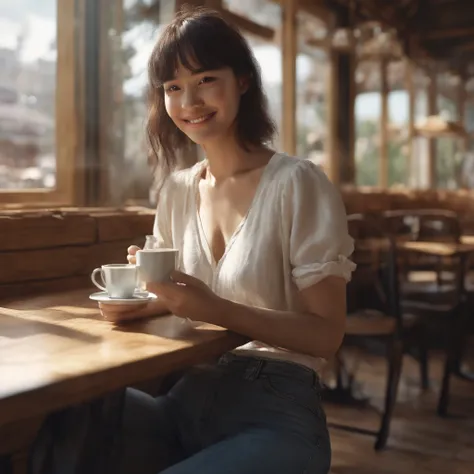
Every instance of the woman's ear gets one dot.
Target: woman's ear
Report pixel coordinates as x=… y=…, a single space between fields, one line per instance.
x=244 y=84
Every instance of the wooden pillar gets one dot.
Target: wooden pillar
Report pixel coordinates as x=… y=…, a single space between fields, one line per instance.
x=345 y=121
x=432 y=110
x=384 y=119
x=70 y=182
x=341 y=118
x=341 y=115
x=289 y=50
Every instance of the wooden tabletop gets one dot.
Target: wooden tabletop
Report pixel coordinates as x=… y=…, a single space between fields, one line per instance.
x=467 y=239
x=441 y=249
x=57 y=350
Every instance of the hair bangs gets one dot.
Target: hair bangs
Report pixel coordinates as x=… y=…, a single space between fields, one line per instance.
x=193 y=47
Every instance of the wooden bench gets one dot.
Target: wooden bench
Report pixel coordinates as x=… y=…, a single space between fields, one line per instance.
x=370 y=200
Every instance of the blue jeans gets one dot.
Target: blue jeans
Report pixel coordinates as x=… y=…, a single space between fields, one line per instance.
x=243 y=415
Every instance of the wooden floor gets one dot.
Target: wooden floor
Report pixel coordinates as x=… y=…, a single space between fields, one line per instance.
x=420 y=441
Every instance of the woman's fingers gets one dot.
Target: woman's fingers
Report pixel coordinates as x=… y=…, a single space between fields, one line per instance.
x=118 y=312
x=132 y=250
x=121 y=308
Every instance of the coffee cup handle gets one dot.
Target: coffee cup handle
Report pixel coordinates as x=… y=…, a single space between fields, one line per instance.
x=96 y=283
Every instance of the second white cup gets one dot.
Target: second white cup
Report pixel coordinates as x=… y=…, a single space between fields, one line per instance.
x=156 y=265
x=120 y=280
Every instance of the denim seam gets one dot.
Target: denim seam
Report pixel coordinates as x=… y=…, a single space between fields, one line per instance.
x=267 y=383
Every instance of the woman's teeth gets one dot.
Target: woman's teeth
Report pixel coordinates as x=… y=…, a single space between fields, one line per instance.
x=200 y=119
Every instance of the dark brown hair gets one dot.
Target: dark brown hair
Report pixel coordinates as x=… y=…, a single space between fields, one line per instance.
x=200 y=38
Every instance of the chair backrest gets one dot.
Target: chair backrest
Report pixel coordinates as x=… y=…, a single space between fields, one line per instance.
x=424 y=224
x=375 y=282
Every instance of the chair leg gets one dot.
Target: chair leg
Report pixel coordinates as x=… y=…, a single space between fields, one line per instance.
x=453 y=355
x=5 y=466
x=394 y=371
x=424 y=367
x=444 y=395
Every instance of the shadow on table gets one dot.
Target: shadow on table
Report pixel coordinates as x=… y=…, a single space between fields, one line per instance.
x=16 y=327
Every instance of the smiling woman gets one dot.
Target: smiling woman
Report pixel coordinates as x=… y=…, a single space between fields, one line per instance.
x=195 y=69
x=263 y=252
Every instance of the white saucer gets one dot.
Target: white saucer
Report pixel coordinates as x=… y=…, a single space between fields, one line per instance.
x=139 y=297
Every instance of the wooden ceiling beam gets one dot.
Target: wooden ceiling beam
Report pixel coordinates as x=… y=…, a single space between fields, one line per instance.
x=248 y=25
x=447 y=33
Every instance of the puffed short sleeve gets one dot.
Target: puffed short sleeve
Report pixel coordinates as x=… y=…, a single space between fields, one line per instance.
x=315 y=227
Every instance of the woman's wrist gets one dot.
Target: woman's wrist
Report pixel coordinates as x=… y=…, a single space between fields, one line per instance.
x=154 y=308
x=220 y=312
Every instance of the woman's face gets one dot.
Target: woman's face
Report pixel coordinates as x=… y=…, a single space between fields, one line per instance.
x=204 y=105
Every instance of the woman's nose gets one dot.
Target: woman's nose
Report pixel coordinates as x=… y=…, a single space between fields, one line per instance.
x=190 y=98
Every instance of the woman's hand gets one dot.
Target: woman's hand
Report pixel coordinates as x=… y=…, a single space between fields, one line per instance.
x=121 y=312
x=188 y=297
x=118 y=313
x=132 y=251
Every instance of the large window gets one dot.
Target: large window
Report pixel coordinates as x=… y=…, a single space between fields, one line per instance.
x=267 y=49
x=312 y=73
x=449 y=150
x=368 y=109
x=420 y=145
x=28 y=58
x=38 y=101
x=398 y=117
x=132 y=30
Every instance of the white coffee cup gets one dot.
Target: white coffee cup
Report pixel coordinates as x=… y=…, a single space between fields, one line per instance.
x=120 y=279
x=156 y=265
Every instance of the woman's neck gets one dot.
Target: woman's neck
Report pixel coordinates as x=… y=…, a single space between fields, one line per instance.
x=228 y=158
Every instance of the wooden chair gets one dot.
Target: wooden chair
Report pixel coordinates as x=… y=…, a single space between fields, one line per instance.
x=430 y=286
x=426 y=274
x=373 y=309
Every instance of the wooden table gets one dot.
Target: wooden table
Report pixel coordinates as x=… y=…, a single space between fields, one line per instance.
x=439 y=249
x=57 y=351
x=467 y=239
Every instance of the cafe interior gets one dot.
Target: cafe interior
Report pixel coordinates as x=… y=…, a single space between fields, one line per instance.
x=378 y=93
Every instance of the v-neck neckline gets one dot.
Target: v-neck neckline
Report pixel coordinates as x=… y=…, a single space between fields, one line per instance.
x=205 y=244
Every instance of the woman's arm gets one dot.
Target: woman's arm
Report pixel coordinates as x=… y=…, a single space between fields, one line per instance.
x=318 y=331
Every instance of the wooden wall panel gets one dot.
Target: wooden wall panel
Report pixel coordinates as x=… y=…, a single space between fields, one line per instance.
x=11 y=291
x=57 y=250
x=27 y=265
x=118 y=227
x=50 y=230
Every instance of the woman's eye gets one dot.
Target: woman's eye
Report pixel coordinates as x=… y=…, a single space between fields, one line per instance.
x=171 y=89
x=207 y=79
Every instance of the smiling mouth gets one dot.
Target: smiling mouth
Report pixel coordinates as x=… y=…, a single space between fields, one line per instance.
x=199 y=120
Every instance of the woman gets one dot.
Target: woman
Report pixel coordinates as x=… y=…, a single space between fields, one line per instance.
x=264 y=252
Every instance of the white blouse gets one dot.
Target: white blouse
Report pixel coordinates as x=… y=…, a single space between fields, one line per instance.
x=293 y=236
